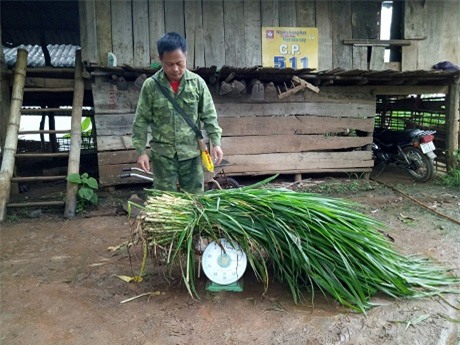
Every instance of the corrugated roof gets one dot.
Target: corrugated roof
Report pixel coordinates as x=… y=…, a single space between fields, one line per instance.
x=62 y=55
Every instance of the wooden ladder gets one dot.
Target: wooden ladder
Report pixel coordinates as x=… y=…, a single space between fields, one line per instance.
x=10 y=152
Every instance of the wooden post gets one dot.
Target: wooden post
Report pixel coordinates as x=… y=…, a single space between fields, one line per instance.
x=75 y=139
x=11 y=141
x=52 y=136
x=452 y=124
x=4 y=98
x=42 y=135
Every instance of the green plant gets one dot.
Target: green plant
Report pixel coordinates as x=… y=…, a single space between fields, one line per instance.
x=310 y=240
x=452 y=178
x=87 y=187
x=86 y=128
x=12 y=218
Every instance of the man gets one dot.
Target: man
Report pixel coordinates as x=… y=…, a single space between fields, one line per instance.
x=175 y=153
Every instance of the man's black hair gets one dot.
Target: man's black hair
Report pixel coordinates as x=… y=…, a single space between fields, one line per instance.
x=169 y=42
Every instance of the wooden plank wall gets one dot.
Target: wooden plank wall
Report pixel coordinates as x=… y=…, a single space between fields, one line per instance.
x=302 y=134
x=305 y=133
x=433 y=26
x=227 y=32
x=223 y=32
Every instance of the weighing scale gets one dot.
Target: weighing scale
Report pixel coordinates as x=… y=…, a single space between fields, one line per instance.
x=224 y=264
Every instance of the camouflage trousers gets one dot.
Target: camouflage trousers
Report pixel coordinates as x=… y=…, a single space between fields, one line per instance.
x=169 y=173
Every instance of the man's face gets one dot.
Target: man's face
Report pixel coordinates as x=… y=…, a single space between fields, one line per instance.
x=174 y=64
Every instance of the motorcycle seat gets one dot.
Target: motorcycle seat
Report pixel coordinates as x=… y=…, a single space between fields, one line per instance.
x=389 y=136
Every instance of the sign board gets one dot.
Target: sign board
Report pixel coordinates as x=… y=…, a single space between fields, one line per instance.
x=290 y=47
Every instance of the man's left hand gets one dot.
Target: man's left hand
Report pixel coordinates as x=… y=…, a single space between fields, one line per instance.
x=217 y=155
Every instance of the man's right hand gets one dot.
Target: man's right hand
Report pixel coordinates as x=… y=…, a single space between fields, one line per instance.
x=143 y=161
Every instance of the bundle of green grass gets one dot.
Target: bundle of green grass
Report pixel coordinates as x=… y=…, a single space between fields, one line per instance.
x=307 y=241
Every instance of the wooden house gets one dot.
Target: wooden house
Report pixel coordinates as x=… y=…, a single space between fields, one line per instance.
x=308 y=131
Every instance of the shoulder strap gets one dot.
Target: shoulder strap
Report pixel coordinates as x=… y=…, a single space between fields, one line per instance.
x=179 y=109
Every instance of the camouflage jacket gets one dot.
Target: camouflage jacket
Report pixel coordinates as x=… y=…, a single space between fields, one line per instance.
x=170 y=133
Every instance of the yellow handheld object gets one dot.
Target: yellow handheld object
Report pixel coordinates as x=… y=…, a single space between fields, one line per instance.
x=207 y=161
x=206 y=157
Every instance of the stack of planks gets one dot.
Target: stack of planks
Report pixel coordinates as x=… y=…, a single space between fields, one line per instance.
x=305 y=133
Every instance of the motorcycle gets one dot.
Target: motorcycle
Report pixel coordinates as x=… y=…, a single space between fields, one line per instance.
x=411 y=150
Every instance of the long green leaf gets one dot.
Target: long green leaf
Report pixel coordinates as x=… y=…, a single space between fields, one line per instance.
x=310 y=241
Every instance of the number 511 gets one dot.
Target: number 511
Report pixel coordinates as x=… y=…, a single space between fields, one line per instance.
x=280 y=62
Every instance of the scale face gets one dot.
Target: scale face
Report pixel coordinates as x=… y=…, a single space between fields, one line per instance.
x=223 y=267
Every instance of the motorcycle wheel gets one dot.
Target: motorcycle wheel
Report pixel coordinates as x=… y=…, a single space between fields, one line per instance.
x=225 y=183
x=421 y=167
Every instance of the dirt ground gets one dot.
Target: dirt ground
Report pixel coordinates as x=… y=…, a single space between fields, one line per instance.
x=59 y=284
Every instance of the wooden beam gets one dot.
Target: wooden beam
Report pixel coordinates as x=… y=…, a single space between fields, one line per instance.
x=127 y=157
x=379 y=43
x=122 y=32
x=452 y=125
x=365 y=19
x=103 y=30
x=214 y=47
x=194 y=33
x=156 y=27
x=306 y=13
x=114 y=142
x=297 y=85
x=269 y=10
x=116 y=124
x=287 y=13
x=252 y=33
x=415 y=27
x=174 y=16
x=48 y=82
x=50 y=72
x=424 y=23
x=42 y=155
x=254 y=145
x=11 y=142
x=284 y=163
x=88 y=31
x=299 y=162
x=357 y=170
x=234 y=33
x=342 y=56
x=377 y=59
x=41 y=111
x=141 y=34
x=356 y=109
x=415 y=19
x=391 y=89
x=359 y=58
x=277 y=126
x=109 y=99
x=36 y=203
x=262 y=113
x=323 y=22
x=48 y=89
x=38 y=178
x=75 y=140
x=290 y=125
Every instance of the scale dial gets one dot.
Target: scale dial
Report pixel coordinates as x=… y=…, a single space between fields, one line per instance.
x=224 y=266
